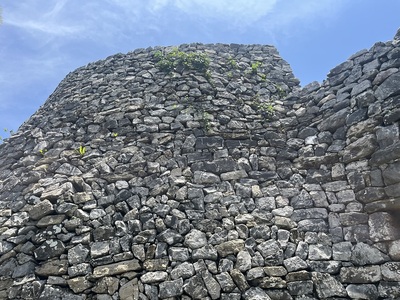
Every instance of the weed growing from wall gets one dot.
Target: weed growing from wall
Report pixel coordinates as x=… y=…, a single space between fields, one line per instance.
x=81 y=150
x=254 y=67
x=178 y=59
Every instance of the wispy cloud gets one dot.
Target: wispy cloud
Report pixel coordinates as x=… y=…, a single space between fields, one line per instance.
x=45 y=20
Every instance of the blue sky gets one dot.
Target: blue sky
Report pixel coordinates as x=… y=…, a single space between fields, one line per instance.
x=41 y=41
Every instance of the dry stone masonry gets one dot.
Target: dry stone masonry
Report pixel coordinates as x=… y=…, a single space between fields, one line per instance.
x=207 y=173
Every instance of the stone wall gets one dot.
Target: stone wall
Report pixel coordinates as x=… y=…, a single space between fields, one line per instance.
x=229 y=182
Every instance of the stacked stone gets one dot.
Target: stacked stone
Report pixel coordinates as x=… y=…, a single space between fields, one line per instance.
x=135 y=183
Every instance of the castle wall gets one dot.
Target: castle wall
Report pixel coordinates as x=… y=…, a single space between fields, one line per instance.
x=228 y=181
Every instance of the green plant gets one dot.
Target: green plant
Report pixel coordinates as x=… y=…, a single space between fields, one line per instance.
x=265 y=107
x=81 y=150
x=281 y=91
x=206 y=121
x=43 y=151
x=263 y=77
x=176 y=58
x=207 y=74
x=255 y=66
x=233 y=64
x=114 y=134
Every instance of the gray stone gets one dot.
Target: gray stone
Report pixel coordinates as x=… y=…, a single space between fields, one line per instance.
x=391 y=173
x=77 y=254
x=184 y=270
x=385 y=155
x=225 y=281
x=5 y=247
x=24 y=269
x=52 y=268
x=206 y=252
x=205 y=178
x=327 y=286
x=129 y=290
x=330 y=267
x=309 y=213
x=272 y=283
x=178 y=253
x=368 y=274
x=106 y=285
x=382 y=227
x=195 y=239
x=195 y=287
x=300 y=288
x=389 y=289
x=169 y=236
x=98 y=249
x=50 y=220
x=17 y=220
x=353 y=218
x=316 y=225
x=294 y=264
x=243 y=261
x=212 y=285
x=360 y=149
x=362 y=291
x=116 y=268
x=50 y=248
x=342 y=251
x=391 y=271
x=154 y=277
x=159 y=264
x=41 y=209
x=79 y=284
x=255 y=293
x=255 y=273
x=387 y=135
x=334 y=121
x=394 y=250
x=388 y=87
x=364 y=254
x=230 y=247
x=234 y=175
x=172 y=288
x=79 y=270
x=319 y=252
x=240 y=280
x=370 y=194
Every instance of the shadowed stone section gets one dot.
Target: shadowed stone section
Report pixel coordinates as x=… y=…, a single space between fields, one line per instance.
x=218 y=183
x=52 y=268
x=362 y=148
x=49 y=249
x=389 y=87
x=383 y=227
x=364 y=254
x=335 y=121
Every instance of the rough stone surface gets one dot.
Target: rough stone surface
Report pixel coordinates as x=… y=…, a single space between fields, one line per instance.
x=185 y=183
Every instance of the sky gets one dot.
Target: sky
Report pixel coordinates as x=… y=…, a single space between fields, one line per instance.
x=41 y=41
